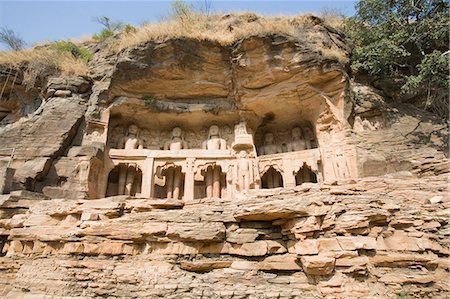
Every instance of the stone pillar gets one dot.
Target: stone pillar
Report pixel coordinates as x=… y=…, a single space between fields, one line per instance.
x=147 y=178
x=131 y=171
x=123 y=169
x=288 y=174
x=216 y=182
x=189 y=179
x=6 y=178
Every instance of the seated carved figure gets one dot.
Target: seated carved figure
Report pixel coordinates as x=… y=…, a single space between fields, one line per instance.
x=269 y=146
x=131 y=140
x=214 y=142
x=309 y=138
x=297 y=142
x=176 y=142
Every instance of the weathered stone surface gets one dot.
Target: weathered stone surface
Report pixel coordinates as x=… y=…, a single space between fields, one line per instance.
x=318 y=264
x=195 y=217
x=210 y=231
x=204 y=266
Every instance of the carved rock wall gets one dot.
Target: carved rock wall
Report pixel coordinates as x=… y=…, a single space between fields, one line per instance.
x=382 y=236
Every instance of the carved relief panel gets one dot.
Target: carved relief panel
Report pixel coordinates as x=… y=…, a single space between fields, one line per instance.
x=162 y=139
x=297 y=138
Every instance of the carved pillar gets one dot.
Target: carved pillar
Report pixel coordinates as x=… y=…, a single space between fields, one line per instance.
x=209 y=181
x=288 y=173
x=131 y=171
x=122 y=179
x=216 y=182
x=189 y=179
x=147 y=178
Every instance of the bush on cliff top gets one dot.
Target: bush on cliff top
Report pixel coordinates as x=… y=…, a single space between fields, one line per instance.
x=406 y=44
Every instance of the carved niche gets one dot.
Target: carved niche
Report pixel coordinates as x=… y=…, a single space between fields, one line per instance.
x=298 y=138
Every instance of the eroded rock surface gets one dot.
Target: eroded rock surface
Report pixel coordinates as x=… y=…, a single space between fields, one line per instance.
x=192 y=169
x=362 y=238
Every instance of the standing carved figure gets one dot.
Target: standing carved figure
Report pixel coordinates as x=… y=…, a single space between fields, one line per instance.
x=212 y=175
x=177 y=141
x=243 y=172
x=131 y=140
x=83 y=169
x=297 y=142
x=173 y=182
x=173 y=173
x=127 y=174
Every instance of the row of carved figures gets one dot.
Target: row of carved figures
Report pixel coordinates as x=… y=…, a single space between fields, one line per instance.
x=300 y=139
x=132 y=140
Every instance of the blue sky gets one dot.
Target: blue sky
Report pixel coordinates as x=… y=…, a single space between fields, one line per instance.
x=38 y=21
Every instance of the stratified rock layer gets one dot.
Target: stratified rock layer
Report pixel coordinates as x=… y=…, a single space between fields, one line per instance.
x=370 y=238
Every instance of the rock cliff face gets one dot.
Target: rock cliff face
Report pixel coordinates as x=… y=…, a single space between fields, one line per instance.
x=191 y=169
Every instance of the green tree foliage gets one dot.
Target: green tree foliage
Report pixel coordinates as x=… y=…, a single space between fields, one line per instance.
x=405 y=42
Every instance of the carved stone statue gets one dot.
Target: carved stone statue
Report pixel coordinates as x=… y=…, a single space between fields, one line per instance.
x=310 y=140
x=173 y=181
x=212 y=180
x=240 y=128
x=269 y=146
x=82 y=169
x=127 y=174
x=243 y=172
x=212 y=174
x=177 y=141
x=363 y=125
x=115 y=137
x=214 y=142
x=297 y=142
x=131 y=140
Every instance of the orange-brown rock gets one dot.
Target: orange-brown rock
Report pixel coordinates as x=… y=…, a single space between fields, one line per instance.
x=187 y=168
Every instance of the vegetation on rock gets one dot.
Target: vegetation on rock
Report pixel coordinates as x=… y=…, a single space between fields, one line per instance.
x=404 y=45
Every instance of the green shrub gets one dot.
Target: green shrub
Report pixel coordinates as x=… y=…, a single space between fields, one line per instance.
x=149 y=100
x=129 y=28
x=104 y=34
x=76 y=51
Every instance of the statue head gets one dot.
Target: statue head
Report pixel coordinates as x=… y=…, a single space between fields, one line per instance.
x=242 y=154
x=296 y=133
x=308 y=132
x=133 y=129
x=214 y=131
x=268 y=138
x=176 y=132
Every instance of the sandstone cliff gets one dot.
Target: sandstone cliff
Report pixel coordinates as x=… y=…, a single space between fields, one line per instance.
x=372 y=224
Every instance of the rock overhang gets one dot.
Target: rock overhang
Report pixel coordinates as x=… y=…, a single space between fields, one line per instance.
x=259 y=75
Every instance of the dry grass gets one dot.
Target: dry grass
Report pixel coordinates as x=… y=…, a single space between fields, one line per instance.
x=44 y=60
x=222 y=29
